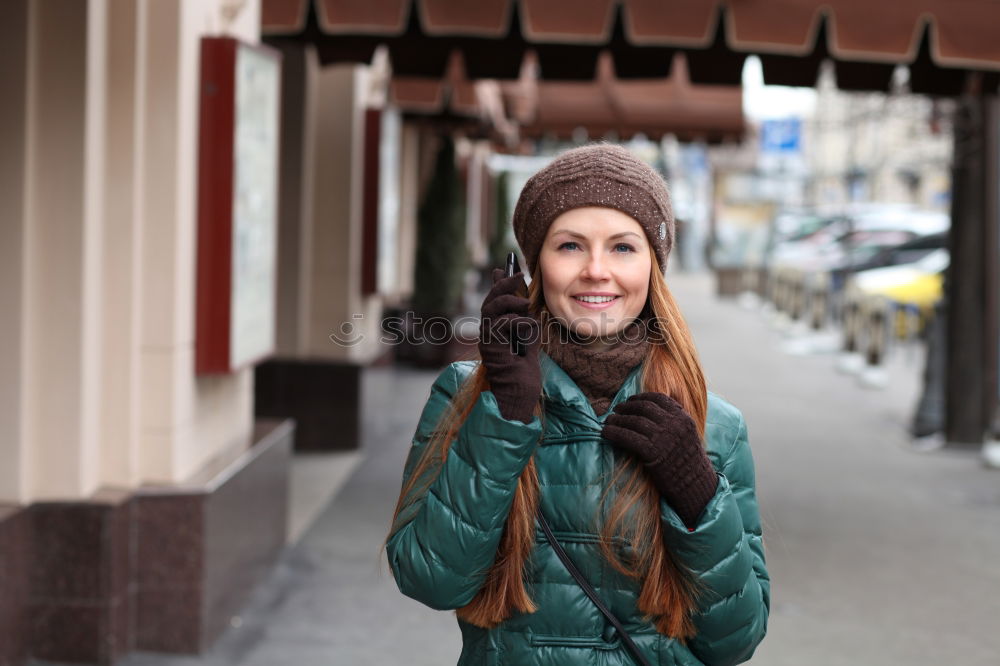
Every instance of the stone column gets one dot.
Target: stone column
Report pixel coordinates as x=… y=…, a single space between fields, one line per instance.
x=63 y=247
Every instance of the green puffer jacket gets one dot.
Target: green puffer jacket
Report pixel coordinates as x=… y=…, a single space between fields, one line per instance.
x=450 y=535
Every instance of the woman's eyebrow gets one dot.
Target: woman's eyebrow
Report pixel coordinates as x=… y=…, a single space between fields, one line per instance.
x=568 y=233
x=625 y=233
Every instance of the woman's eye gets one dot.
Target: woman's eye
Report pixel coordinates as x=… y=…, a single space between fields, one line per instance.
x=568 y=245
x=624 y=247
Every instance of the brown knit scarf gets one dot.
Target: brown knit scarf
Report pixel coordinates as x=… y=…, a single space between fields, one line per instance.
x=599 y=374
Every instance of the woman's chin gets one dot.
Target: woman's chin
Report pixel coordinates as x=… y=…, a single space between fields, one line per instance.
x=586 y=331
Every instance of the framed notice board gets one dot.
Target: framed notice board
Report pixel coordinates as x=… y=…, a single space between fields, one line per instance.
x=237 y=204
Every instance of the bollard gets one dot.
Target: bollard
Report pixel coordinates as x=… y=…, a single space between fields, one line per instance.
x=929 y=414
x=851 y=360
x=819 y=299
x=769 y=285
x=851 y=317
x=875 y=334
x=796 y=295
x=780 y=291
x=876 y=320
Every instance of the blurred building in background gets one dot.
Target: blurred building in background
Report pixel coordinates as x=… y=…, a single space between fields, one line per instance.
x=893 y=146
x=217 y=213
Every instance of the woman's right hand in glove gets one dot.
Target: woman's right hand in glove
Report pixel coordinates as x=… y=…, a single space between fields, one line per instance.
x=515 y=380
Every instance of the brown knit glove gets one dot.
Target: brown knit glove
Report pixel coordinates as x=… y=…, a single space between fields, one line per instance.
x=655 y=429
x=516 y=381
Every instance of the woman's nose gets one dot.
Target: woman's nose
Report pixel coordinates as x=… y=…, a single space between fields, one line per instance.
x=595 y=268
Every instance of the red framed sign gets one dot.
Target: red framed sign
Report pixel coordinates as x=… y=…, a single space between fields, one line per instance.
x=237 y=204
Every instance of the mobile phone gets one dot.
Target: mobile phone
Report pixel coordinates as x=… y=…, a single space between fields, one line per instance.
x=512 y=269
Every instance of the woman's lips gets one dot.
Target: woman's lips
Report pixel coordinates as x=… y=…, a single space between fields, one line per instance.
x=596 y=306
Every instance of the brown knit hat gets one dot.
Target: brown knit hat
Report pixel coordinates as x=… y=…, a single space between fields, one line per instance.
x=596 y=175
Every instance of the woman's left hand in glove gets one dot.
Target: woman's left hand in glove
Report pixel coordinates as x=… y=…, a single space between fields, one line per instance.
x=654 y=428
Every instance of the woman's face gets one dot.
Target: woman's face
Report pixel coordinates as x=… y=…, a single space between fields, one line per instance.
x=595 y=265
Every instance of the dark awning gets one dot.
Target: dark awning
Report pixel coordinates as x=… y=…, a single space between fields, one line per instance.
x=476 y=106
x=939 y=39
x=532 y=108
x=653 y=107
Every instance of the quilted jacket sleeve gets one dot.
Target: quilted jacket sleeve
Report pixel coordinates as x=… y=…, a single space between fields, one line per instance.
x=726 y=553
x=448 y=537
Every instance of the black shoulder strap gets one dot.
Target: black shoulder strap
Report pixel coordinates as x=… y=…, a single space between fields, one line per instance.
x=589 y=591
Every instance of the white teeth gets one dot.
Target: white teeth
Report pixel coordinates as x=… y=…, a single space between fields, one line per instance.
x=595 y=299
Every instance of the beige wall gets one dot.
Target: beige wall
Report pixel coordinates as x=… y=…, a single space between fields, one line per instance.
x=97 y=248
x=99 y=228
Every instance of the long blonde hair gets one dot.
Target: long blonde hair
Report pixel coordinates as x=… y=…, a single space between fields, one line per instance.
x=668 y=591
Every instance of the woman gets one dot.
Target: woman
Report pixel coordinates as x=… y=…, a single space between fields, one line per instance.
x=605 y=425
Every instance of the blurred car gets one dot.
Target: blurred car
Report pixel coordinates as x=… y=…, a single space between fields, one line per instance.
x=803 y=239
x=794 y=225
x=901 y=296
x=917 y=283
x=875 y=254
x=899 y=216
x=808 y=269
x=859 y=238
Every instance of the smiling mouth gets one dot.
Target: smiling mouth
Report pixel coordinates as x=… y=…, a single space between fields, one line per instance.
x=595 y=299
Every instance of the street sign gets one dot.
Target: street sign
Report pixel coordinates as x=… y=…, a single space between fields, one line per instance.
x=781 y=136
